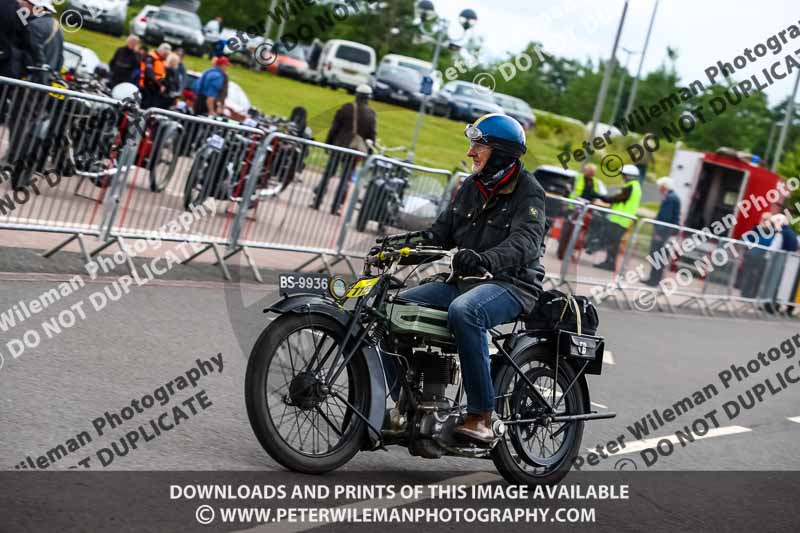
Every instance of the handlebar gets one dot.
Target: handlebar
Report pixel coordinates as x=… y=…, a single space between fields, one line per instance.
x=391 y=255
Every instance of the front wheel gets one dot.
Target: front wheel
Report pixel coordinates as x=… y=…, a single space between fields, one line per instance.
x=537 y=453
x=304 y=421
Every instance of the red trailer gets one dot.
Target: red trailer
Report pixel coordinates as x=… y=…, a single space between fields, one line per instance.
x=712 y=185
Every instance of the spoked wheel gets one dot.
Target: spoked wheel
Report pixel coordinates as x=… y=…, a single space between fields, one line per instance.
x=541 y=452
x=304 y=421
x=164 y=161
x=196 y=190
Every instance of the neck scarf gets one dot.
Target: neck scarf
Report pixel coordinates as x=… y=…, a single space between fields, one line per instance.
x=489 y=183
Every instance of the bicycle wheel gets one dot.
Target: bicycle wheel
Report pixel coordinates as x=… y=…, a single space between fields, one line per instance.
x=164 y=161
x=305 y=423
x=195 y=191
x=542 y=452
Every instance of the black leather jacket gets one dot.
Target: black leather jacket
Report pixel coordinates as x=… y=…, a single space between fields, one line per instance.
x=508 y=230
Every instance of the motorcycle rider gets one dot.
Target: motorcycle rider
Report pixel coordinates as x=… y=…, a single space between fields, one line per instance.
x=497 y=221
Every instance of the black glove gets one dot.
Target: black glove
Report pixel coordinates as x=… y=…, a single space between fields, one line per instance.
x=469 y=262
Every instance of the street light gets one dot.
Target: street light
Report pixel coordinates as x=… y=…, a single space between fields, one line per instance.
x=618 y=99
x=426 y=12
x=635 y=87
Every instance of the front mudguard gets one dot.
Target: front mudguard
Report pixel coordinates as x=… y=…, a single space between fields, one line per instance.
x=306 y=304
x=526 y=342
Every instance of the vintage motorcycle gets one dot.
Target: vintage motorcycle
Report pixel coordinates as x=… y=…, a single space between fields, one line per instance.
x=316 y=384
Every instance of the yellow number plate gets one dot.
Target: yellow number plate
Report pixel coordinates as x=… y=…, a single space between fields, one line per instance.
x=362 y=288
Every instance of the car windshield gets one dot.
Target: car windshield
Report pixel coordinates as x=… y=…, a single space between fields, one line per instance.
x=422 y=69
x=469 y=91
x=355 y=55
x=391 y=71
x=72 y=59
x=181 y=18
x=511 y=103
x=295 y=52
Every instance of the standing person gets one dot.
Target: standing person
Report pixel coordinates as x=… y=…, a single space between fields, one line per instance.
x=153 y=70
x=181 y=67
x=15 y=39
x=614 y=226
x=212 y=31
x=586 y=184
x=497 y=222
x=669 y=212
x=47 y=38
x=172 y=81
x=755 y=261
x=125 y=61
x=353 y=125
x=211 y=89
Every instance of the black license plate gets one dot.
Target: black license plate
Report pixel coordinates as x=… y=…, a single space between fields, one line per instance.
x=302 y=283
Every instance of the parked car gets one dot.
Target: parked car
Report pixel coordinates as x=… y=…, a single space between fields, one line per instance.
x=139 y=22
x=460 y=100
x=425 y=68
x=516 y=108
x=178 y=27
x=399 y=85
x=82 y=61
x=103 y=15
x=346 y=64
x=290 y=63
x=237 y=104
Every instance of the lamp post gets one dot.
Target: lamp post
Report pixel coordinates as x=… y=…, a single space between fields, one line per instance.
x=618 y=99
x=439 y=36
x=601 y=96
x=635 y=87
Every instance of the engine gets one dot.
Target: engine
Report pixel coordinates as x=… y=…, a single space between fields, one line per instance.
x=435 y=417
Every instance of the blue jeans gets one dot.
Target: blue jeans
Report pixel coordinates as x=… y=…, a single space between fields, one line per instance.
x=469 y=316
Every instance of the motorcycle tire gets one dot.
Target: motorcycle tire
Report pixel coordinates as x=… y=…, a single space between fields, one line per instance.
x=510 y=456
x=265 y=363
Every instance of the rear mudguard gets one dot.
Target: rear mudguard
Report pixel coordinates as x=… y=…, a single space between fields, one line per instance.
x=306 y=303
x=527 y=342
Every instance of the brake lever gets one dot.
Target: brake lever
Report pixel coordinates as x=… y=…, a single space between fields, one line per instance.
x=484 y=275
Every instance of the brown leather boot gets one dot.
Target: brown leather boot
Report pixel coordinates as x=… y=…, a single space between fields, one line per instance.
x=477 y=427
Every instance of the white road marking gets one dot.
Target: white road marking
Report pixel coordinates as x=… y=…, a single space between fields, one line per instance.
x=795 y=419
x=639 y=445
x=608 y=357
x=470 y=479
x=600 y=405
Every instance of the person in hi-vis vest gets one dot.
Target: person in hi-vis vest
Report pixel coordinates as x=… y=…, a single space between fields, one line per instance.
x=587 y=184
x=612 y=227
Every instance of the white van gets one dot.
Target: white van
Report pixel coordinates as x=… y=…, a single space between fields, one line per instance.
x=346 y=64
x=423 y=67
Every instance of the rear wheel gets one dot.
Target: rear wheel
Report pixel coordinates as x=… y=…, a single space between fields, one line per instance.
x=542 y=452
x=304 y=422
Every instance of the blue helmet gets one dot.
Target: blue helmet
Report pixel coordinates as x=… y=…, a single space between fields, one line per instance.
x=499 y=132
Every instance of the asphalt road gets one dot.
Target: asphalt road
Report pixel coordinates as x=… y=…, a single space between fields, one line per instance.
x=52 y=392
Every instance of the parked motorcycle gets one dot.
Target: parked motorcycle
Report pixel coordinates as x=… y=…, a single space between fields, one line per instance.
x=316 y=382
x=384 y=198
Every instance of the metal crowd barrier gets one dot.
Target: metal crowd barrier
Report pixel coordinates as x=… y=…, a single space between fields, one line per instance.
x=391 y=196
x=48 y=135
x=296 y=203
x=286 y=193
x=187 y=164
